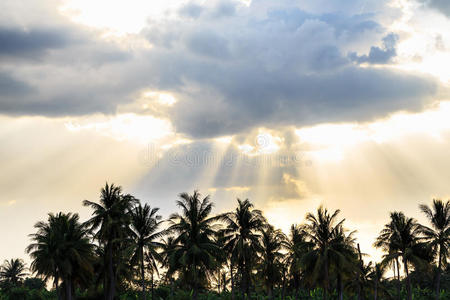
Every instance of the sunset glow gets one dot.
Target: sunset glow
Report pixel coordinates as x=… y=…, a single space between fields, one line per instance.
x=294 y=105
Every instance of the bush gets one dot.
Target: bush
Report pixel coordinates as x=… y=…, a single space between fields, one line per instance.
x=33 y=283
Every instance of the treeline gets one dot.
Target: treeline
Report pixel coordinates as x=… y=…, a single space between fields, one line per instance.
x=127 y=251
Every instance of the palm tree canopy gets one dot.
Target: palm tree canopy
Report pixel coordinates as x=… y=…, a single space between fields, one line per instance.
x=145 y=223
x=110 y=216
x=195 y=242
x=439 y=234
x=272 y=242
x=243 y=229
x=61 y=248
x=13 y=271
x=331 y=245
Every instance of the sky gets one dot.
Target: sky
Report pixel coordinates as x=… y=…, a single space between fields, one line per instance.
x=292 y=104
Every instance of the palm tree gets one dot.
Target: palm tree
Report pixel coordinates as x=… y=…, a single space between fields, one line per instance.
x=344 y=260
x=392 y=255
x=376 y=276
x=110 y=227
x=331 y=246
x=13 y=271
x=145 y=223
x=401 y=238
x=271 y=257
x=61 y=249
x=196 y=248
x=221 y=261
x=152 y=258
x=439 y=235
x=296 y=246
x=169 y=261
x=241 y=239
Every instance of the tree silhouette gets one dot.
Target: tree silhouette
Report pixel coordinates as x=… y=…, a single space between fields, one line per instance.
x=400 y=238
x=331 y=246
x=241 y=239
x=61 y=249
x=439 y=235
x=110 y=225
x=196 y=247
x=12 y=272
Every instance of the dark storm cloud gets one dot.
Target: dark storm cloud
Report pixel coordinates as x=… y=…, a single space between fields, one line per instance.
x=271 y=99
x=284 y=69
x=11 y=87
x=232 y=68
x=30 y=43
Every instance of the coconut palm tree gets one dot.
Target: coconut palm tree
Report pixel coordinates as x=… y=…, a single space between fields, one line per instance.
x=376 y=276
x=438 y=235
x=196 y=248
x=392 y=255
x=401 y=239
x=110 y=226
x=296 y=246
x=61 y=250
x=152 y=258
x=145 y=223
x=241 y=239
x=221 y=261
x=364 y=278
x=347 y=260
x=331 y=246
x=272 y=242
x=12 y=272
x=169 y=261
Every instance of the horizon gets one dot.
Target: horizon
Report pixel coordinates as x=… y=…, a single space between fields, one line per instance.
x=290 y=104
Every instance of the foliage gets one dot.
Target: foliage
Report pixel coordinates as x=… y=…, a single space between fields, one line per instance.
x=123 y=252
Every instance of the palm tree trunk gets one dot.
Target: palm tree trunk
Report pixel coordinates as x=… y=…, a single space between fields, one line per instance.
x=243 y=277
x=112 y=287
x=340 y=287
x=361 y=265
x=375 y=291
x=398 y=278
x=105 y=283
x=296 y=285
x=68 y=289
x=152 y=283
x=144 y=295
x=195 y=295
x=438 y=277
x=232 y=281
x=408 y=280
x=327 y=280
x=270 y=292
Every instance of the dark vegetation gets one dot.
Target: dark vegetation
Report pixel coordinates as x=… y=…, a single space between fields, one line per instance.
x=126 y=251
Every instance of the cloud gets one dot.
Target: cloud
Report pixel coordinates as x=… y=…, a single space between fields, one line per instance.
x=441 y=5
x=191 y=10
x=379 y=55
x=273 y=99
x=233 y=68
x=11 y=87
x=208 y=44
x=30 y=43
